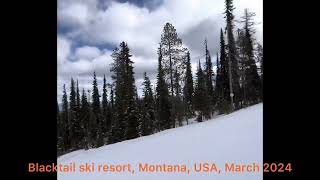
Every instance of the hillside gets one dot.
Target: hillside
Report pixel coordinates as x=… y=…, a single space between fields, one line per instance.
x=232 y=138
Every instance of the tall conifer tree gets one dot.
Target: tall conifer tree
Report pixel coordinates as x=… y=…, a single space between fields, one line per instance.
x=201 y=96
x=223 y=88
x=84 y=118
x=96 y=110
x=208 y=76
x=148 y=116
x=65 y=119
x=162 y=98
x=232 y=57
x=188 y=89
x=105 y=109
x=252 y=84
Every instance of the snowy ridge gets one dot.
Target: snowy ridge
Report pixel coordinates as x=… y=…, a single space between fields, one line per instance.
x=232 y=138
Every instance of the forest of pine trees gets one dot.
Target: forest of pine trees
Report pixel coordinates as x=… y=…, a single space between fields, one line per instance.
x=116 y=113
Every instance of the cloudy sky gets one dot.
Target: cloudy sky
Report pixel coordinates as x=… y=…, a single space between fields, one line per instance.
x=88 y=31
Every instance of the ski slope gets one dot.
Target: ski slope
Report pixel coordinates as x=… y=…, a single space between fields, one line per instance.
x=232 y=138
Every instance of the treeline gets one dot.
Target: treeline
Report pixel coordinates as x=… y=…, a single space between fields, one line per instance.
x=117 y=113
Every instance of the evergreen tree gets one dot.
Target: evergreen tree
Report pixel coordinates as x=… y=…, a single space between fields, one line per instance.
x=172 y=53
x=132 y=118
x=222 y=81
x=148 y=117
x=208 y=76
x=188 y=89
x=111 y=113
x=97 y=132
x=201 y=96
x=78 y=127
x=252 y=83
x=73 y=115
x=72 y=96
x=78 y=104
x=92 y=129
x=111 y=96
x=232 y=56
x=60 y=133
x=118 y=124
x=162 y=98
x=84 y=119
x=104 y=95
x=173 y=56
x=126 y=125
x=65 y=119
x=105 y=109
x=95 y=96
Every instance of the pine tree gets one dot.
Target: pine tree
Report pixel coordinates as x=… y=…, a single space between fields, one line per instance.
x=97 y=131
x=173 y=56
x=172 y=53
x=80 y=131
x=111 y=113
x=201 y=96
x=73 y=115
x=188 y=89
x=78 y=126
x=92 y=129
x=132 y=118
x=111 y=96
x=105 y=109
x=72 y=96
x=148 y=116
x=65 y=119
x=222 y=81
x=95 y=96
x=118 y=123
x=78 y=100
x=232 y=56
x=60 y=133
x=84 y=119
x=126 y=123
x=208 y=76
x=252 y=83
x=162 y=98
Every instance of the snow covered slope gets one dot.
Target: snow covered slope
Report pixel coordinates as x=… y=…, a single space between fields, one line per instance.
x=233 y=138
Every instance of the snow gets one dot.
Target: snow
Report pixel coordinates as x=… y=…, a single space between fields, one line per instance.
x=232 y=138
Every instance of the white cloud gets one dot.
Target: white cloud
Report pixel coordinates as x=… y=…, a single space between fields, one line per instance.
x=140 y=27
x=76 y=13
x=63 y=49
x=86 y=67
x=87 y=52
x=91 y=27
